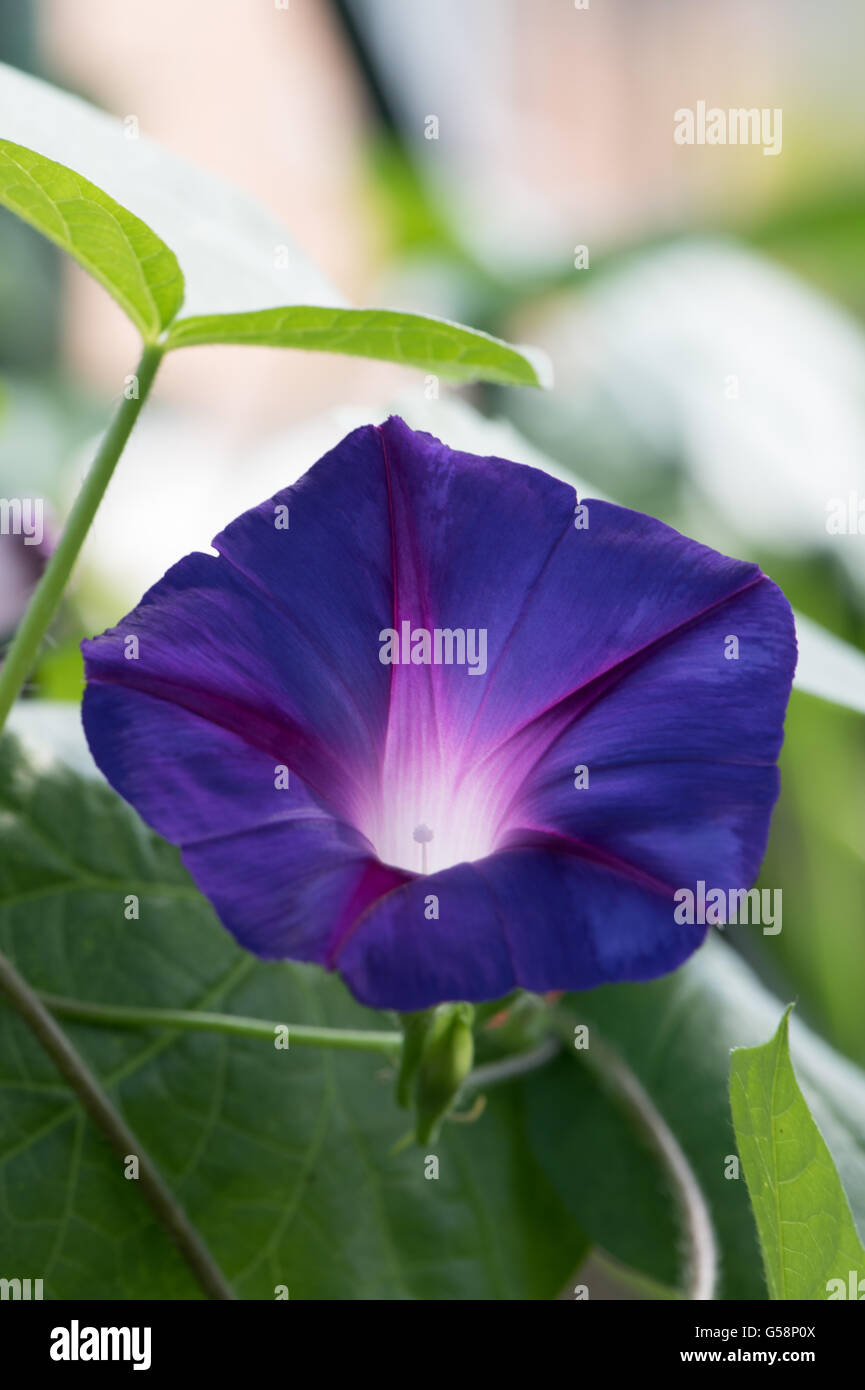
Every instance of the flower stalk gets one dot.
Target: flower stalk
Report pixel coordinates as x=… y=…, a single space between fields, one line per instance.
x=299 y=1034
x=24 y=648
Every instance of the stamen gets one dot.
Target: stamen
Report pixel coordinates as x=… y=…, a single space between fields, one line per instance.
x=423 y=835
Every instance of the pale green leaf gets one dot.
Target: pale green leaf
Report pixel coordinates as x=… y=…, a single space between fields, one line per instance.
x=111 y=243
x=806 y=1230
x=414 y=340
x=240 y=264
x=828 y=666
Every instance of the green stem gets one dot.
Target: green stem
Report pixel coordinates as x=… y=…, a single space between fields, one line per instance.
x=21 y=656
x=299 y=1035
x=698 y=1234
x=509 y=1068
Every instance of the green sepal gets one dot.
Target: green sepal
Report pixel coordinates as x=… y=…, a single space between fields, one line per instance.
x=415 y=1028
x=446 y=1060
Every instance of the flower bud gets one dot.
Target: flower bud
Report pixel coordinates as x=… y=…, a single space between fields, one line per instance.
x=446 y=1060
x=415 y=1029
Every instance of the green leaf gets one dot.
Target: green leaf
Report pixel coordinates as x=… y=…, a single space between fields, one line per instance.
x=676 y=1034
x=111 y=243
x=282 y=1159
x=806 y=1229
x=611 y=1181
x=240 y=264
x=814 y=853
x=414 y=340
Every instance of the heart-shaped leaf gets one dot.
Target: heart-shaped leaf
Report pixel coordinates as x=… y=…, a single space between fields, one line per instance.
x=281 y=1158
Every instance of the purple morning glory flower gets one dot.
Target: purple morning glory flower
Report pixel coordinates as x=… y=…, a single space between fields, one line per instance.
x=427 y=722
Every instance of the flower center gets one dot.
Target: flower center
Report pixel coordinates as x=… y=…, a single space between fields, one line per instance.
x=426 y=824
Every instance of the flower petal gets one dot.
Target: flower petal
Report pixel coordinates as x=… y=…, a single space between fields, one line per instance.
x=680 y=752
x=536 y=916
x=605 y=648
x=285 y=877
x=485 y=543
x=277 y=638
